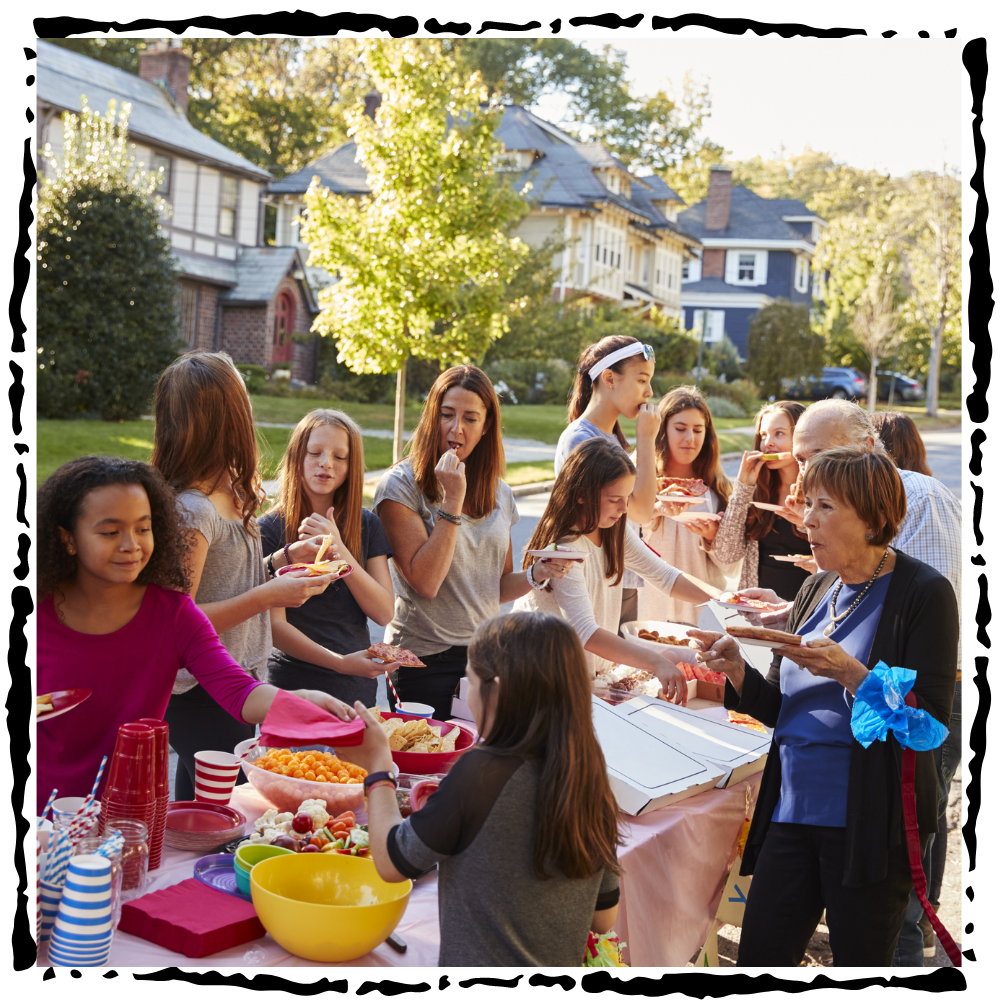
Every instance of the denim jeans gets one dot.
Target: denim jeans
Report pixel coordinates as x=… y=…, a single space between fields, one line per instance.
x=910 y=947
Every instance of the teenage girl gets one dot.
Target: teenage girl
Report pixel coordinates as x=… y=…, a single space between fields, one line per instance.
x=320 y=493
x=524 y=828
x=447 y=514
x=686 y=448
x=205 y=444
x=756 y=534
x=587 y=513
x=114 y=617
x=613 y=380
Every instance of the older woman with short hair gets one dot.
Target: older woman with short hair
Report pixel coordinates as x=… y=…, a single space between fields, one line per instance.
x=828 y=828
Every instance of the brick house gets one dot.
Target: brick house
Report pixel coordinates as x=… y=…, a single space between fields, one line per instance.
x=235 y=295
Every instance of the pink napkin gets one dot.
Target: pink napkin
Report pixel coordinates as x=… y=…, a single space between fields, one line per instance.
x=292 y=721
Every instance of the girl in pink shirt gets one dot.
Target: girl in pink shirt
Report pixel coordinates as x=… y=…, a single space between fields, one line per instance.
x=113 y=617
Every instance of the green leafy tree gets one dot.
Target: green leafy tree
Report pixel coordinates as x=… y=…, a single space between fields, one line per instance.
x=425 y=260
x=781 y=345
x=107 y=289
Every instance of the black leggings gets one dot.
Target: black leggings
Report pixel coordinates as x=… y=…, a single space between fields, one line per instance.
x=435 y=683
x=800 y=871
x=198 y=722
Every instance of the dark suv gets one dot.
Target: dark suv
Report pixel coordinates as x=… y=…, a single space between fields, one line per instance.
x=833 y=383
x=906 y=389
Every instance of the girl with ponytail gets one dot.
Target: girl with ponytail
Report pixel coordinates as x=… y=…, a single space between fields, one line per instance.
x=524 y=828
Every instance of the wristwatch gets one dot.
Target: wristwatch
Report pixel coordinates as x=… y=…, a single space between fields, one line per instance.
x=377 y=777
x=270 y=565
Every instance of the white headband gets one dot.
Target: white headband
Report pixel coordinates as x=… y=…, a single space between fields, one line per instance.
x=614 y=357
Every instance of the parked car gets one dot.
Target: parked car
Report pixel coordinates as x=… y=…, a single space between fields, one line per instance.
x=835 y=383
x=906 y=389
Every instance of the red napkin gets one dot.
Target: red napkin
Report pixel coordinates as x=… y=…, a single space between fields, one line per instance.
x=293 y=721
x=192 y=918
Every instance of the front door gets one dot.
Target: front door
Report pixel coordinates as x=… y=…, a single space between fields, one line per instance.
x=284 y=323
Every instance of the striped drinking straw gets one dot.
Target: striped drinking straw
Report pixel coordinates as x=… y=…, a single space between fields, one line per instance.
x=392 y=688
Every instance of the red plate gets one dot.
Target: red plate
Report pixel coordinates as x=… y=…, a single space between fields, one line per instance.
x=63 y=701
x=203 y=817
x=348 y=570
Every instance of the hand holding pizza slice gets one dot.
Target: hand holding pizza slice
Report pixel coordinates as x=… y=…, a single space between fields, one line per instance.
x=395 y=655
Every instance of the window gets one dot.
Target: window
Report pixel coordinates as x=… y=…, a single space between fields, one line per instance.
x=746 y=265
x=685 y=273
x=618 y=260
x=801 y=274
x=714 y=323
x=227 y=211
x=187 y=310
x=164 y=162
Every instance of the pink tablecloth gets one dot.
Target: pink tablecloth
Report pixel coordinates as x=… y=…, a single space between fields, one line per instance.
x=676 y=860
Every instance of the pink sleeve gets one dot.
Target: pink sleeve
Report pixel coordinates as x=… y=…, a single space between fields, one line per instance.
x=200 y=650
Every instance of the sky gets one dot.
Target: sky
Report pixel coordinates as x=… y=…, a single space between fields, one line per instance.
x=889 y=104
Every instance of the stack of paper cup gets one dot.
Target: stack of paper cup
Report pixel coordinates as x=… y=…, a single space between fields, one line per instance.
x=81 y=934
x=215 y=774
x=48 y=904
x=161 y=784
x=130 y=792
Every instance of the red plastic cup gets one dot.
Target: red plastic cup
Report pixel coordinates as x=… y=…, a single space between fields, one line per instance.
x=157 y=831
x=161 y=754
x=215 y=774
x=112 y=811
x=131 y=766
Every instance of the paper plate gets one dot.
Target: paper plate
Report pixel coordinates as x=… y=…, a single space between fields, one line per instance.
x=768 y=506
x=792 y=559
x=693 y=515
x=672 y=498
x=742 y=607
x=201 y=826
x=570 y=555
x=65 y=701
x=348 y=570
x=218 y=871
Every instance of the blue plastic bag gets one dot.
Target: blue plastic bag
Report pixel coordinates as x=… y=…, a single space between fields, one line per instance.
x=879 y=707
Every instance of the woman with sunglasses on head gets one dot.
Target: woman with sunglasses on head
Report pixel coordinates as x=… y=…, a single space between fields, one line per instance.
x=613 y=380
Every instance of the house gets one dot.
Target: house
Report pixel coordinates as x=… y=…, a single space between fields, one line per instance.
x=623 y=241
x=754 y=250
x=235 y=295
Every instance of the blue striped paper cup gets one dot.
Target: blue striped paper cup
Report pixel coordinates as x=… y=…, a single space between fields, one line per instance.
x=48 y=903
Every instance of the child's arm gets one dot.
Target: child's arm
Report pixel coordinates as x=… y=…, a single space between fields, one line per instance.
x=604 y=920
x=643 y=498
x=295 y=643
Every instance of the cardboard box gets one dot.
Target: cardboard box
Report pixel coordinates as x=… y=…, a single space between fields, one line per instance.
x=738 y=751
x=645 y=771
x=734 y=898
x=709 y=691
x=461 y=710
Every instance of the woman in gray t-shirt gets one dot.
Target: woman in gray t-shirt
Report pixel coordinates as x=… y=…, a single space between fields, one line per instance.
x=448 y=513
x=206 y=447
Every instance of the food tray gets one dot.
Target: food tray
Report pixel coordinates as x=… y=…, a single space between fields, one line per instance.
x=630 y=630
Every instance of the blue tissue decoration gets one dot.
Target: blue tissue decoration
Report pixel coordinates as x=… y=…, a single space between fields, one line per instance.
x=879 y=707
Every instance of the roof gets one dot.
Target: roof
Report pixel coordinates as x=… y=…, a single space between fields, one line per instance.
x=338 y=170
x=221 y=272
x=715 y=285
x=562 y=175
x=750 y=217
x=259 y=271
x=63 y=76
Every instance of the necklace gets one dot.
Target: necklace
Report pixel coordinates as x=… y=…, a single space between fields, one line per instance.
x=836 y=619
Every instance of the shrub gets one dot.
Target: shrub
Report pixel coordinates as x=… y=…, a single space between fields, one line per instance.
x=533 y=381
x=722 y=407
x=254 y=376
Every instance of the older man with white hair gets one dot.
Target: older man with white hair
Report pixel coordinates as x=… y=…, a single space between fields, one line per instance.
x=930 y=532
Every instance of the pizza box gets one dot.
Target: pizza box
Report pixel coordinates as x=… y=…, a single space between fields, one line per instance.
x=645 y=771
x=460 y=710
x=736 y=750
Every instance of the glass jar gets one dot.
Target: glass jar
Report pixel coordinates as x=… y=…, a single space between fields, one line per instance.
x=89 y=845
x=135 y=855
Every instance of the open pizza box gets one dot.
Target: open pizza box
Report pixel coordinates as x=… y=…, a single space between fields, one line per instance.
x=645 y=771
x=735 y=750
x=460 y=704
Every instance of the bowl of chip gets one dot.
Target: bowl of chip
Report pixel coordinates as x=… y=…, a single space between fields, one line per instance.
x=285 y=793
x=326 y=907
x=415 y=749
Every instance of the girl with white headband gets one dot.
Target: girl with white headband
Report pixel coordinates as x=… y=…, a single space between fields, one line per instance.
x=613 y=380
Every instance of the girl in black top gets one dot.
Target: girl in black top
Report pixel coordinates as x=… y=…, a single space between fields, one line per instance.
x=320 y=493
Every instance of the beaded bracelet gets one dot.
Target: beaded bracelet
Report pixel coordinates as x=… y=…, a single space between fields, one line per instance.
x=288 y=558
x=450 y=518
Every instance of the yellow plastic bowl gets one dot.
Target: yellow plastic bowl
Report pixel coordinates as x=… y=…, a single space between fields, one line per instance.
x=326 y=907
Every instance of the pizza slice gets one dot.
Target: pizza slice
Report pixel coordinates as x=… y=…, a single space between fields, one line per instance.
x=395 y=655
x=771 y=635
x=739 y=719
x=690 y=487
x=43 y=704
x=324 y=547
x=780 y=456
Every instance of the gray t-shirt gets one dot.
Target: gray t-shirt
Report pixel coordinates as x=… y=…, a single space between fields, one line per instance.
x=470 y=592
x=234 y=565
x=479 y=828
x=577 y=432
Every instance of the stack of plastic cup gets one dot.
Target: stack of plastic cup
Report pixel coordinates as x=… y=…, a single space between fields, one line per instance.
x=161 y=783
x=81 y=934
x=130 y=792
x=215 y=774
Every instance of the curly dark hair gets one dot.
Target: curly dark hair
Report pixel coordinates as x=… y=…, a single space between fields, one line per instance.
x=61 y=497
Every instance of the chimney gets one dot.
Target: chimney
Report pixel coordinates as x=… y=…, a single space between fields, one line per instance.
x=720 y=189
x=373 y=101
x=165 y=63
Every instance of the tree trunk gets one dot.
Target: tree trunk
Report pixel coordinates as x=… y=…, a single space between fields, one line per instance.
x=873 y=385
x=397 y=430
x=934 y=370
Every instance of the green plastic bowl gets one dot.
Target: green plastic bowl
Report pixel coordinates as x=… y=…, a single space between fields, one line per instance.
x=247 y=855
x=242 y=879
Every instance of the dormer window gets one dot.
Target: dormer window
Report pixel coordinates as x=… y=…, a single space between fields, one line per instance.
x=746 y=265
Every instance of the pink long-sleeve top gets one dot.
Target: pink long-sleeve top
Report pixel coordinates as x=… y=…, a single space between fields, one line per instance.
x=131 y=672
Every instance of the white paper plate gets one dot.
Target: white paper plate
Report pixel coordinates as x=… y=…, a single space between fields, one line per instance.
x=693 y=515
x=671 y=498
x=742 y=607
x=791 y=559
x=570 y=555
x=768 y=506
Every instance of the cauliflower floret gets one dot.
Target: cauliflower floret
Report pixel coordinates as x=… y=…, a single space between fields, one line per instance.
x=316 y=810
x=268 y=819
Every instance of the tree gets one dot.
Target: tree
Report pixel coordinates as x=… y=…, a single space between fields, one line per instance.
x=781 y=345
x=424 y=260
x=107 y=290
x=876 y=325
